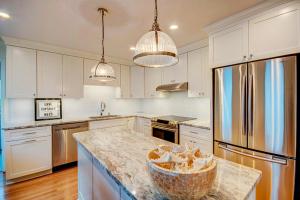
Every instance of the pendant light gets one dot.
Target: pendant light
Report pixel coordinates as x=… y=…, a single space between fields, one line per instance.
x=102 y=71
x=155 y=48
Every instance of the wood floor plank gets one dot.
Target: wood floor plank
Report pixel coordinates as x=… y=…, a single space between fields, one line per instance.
x=60 y=185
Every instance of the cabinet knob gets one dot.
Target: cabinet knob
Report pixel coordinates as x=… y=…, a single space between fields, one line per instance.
x=244 y=57
x=33 y=94
x=251 y=56
x=65 y=95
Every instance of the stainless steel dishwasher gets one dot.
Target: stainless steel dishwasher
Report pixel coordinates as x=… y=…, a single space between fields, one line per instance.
x=64 y=146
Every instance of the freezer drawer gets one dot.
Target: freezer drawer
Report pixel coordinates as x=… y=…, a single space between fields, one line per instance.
x=278 y=173
x=230 y=85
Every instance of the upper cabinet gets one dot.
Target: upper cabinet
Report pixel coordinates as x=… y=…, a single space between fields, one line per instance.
x=125 y=82
x=229 y=46
x=49 y=75
x=137 y=83
x=176 y=73
x=275 y=33
x=153 y=78
x=89 y=64
x=272 y=33
x=59 y=75
x=199 y=73
x=20 y=72
x=72 y=77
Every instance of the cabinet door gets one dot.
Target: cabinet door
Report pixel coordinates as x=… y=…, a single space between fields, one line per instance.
x=29 y=156
x=199 y=73
x=125 y=82
x=49 y=75
x=275 y=33
x=176 y=73
x=20 y=72
x=137 y=82
x=85 y=174
x=104 y=187
x=72 y=77
x=229 y=46
x=152 y=80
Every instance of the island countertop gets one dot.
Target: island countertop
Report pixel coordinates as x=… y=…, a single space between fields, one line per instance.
x=122 y=152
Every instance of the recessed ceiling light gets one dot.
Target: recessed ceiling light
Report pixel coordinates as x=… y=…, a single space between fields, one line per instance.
x=174 y=27
x=132 y=48
x=4 y=15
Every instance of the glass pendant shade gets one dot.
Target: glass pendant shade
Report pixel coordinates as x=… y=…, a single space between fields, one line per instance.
x=103 y=72
x=152 y=52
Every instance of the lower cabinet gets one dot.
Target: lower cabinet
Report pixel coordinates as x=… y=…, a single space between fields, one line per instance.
x=143 y=125
x=27 y=152
x=93 y=180
x=199 y=137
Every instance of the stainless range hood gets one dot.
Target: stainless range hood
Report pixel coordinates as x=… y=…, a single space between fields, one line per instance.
x=176 y=87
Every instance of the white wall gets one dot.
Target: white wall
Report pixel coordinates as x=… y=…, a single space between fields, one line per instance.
x=178 y=104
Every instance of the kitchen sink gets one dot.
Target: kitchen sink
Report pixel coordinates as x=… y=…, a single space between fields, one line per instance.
x=103 y=116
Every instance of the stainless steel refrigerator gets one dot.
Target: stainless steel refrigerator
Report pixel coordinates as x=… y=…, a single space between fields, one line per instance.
x=255 y=121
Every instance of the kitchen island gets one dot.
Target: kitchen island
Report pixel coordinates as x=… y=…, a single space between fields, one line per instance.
x=112 y=165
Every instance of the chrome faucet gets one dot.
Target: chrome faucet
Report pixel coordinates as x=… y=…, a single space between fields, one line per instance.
x=102 y=107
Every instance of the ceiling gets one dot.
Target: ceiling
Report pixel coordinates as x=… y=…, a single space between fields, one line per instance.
x=76 y=23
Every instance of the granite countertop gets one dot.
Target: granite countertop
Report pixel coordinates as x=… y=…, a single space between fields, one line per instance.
x=198 y=123
x=122 y=152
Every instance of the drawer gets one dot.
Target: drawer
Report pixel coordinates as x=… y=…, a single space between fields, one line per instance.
x=204 y=145
x=200 y=133
x=27 y=133
x=108 y=123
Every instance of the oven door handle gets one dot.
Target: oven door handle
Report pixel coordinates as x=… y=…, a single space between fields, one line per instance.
x=163 y=128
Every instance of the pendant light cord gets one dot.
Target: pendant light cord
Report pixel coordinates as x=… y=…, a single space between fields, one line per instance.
x=155 y=26
x=102 y=58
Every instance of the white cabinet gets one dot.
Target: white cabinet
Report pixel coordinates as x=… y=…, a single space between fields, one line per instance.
x=72 y=77
x=125 y=82
x=108 y=123
x=20 y=72
x=199 y=73
x=28 y=154
x=176 y=73
x=229 y=46
x=89 y=64
x=200 y=137
x=153 y=78
x=49 y=74
x=104 y=186
x=275 y=33
x=85 y=174
x=143 y=125
x=137 y=83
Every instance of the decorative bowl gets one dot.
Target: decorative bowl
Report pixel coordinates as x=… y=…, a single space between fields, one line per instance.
x=176 y=185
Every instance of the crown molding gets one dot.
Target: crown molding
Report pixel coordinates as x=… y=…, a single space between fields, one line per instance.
x=193 y=46
x=11 y=41
x=244 y=15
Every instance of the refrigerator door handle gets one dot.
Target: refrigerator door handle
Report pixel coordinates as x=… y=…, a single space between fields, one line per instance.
x=244 y=104
x=250 y=106
x=277 y=160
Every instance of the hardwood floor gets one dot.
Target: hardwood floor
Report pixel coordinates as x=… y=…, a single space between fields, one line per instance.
x=56 y=186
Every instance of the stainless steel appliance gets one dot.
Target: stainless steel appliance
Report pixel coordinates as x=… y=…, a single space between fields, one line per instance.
x=167 y=127
x=255 y=118
x=64 y=146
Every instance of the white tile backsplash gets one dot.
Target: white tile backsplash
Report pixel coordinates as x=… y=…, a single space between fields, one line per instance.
x=22 y=110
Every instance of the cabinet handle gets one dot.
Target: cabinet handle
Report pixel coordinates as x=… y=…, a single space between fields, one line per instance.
x=194 y=132
x=28 y=141
x=29 y=133
x=244 y=57
x=251 y=56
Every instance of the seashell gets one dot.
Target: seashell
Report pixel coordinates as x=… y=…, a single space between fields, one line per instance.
x=166 y=165
x=166 y=157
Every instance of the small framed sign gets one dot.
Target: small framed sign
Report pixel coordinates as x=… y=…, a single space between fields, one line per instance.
x=47 y=109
